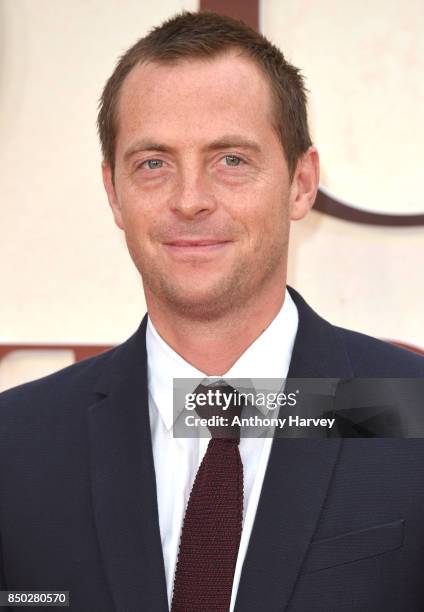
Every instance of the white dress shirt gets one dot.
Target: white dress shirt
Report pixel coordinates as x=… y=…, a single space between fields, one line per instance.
x=177 y=460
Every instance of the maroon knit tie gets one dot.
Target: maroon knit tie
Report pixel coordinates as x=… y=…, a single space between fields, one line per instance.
x=212 y=525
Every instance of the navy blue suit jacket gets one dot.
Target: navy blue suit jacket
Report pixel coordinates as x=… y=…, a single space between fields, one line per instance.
x=339 y=525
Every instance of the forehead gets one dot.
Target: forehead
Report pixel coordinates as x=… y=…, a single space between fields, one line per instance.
x=195 y=95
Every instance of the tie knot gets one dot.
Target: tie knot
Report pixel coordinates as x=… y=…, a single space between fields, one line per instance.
x=220 y=404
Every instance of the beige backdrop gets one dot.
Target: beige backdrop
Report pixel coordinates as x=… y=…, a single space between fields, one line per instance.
x=65 y=272
x=363 y=63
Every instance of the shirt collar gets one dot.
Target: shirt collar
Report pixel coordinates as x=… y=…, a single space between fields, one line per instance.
x=267 y=357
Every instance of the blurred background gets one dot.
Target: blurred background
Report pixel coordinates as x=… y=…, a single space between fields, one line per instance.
x=68 y=286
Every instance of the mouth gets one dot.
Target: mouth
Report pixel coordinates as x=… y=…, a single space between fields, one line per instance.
x=196 y=247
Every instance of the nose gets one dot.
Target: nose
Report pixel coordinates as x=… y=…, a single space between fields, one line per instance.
x=193 y=198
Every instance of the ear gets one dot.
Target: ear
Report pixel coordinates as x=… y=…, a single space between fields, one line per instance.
x=111 y=194
x=304 y=185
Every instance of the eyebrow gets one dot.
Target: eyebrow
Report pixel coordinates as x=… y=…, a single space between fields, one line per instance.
x=225 y=142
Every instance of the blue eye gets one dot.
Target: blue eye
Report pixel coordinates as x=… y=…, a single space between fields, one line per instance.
x=233 y=157
x=150 y=161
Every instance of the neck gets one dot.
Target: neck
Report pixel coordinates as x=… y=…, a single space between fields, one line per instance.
x=213 y=346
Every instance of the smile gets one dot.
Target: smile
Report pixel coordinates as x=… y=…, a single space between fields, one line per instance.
x=196 y=247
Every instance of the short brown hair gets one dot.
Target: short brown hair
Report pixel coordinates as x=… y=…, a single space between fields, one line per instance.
x=205 y=34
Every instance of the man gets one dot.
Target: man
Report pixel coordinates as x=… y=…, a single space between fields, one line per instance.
x=207 y=159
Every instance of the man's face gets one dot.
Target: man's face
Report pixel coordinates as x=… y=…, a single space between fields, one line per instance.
x=202 y=187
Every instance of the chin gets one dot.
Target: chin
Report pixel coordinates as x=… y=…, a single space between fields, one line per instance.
x=202 y=297
x=202 y=305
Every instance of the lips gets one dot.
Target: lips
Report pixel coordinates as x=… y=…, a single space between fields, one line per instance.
x=194 y=248
x=195 y=243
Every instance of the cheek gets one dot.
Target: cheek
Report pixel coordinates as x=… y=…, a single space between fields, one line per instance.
x=269 y=218
x=134 y=204
x=137 y=216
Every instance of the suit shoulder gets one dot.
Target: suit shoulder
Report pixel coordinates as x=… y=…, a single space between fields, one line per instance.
x=370 y=356
x=78 y=376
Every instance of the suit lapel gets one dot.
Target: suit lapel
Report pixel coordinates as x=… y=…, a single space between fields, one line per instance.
x=123 y=481
x=296 y=481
